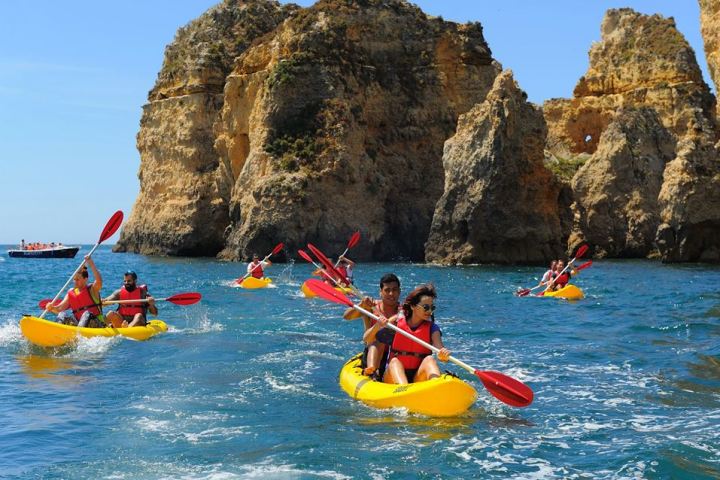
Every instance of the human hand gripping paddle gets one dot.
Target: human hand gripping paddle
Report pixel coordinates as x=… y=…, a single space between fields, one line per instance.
x=504 y=388
x=526 y=291
x=307 y=257
x=188 y=298
x=275 y=250
x=351 y=243
x=110 y=228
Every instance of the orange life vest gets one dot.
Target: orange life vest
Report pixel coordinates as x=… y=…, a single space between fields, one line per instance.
x=410 y=354
x=139 y=293
x=81 y=300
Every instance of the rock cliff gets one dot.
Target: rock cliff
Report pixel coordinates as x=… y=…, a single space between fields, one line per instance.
x=500 y=203
x=642 y=96
x=710 y=27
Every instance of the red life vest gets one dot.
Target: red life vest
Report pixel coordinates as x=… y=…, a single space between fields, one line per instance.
x=257 y=270
x=562 y=280
x=81 y=300
x=410 y=354
x=132 y=308
x=378 y=310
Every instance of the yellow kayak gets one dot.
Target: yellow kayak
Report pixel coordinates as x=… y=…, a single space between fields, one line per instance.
x=252 y=282
x=47 y=333
x=568 y=292
x=310 y=294
x=446 y=396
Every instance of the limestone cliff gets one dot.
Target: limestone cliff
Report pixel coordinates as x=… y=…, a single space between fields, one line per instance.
x=500 y=203
x=642 y=96
x=336 y=122
x=180 y=210
x=710 y=27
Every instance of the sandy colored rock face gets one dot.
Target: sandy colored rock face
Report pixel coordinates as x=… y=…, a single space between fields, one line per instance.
x=500 y=203
x=336 y=123
x=642 y=96
x=710 y=27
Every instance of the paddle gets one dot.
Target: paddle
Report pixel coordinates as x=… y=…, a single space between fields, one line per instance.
x=581 y=251
x=351 y=243
x=501 y=386
x=333 y=271
x=188 y=298
x=110 y=228
x=526 y=291
x=307 y=257
x=275 y=250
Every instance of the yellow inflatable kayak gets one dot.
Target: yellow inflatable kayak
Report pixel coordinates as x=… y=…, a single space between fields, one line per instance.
x=568 y=292
x=52 y=334
x=446 y=396
x=252 y=282
x=310 y=294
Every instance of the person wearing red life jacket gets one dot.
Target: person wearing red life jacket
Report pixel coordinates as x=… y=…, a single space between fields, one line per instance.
x=377 y=339
x=408 y=361
x=549 y=274
x=83 y=299
x=131 y=314
x=345 y=267
x=255 y=268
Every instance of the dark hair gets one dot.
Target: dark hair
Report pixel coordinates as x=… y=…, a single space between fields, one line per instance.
x=255 y=255
x=84 y=272
x=389 y=278
x=426 y=290
x=132 y=274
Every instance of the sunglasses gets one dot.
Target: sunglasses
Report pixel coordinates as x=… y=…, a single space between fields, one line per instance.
x=426 y=307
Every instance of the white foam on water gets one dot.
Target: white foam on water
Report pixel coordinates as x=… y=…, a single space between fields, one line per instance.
x=93 y=347
x=301 y=388
x=10 y=333
x=268 y=471
x=205 y=325
x=150 y=425
x=214 y=435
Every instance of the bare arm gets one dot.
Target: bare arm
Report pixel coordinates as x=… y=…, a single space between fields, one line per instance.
x=97 y=278
x=59 y=307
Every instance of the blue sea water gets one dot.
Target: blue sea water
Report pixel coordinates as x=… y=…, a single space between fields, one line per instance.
x=244 y=385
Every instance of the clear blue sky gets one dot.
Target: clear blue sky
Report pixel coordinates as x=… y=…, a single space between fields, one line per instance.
x=74 y=76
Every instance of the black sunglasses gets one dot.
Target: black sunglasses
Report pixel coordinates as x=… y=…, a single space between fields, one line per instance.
x=426 y=307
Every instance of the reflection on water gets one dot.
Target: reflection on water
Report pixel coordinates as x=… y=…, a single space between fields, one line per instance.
x=701 y=388
x=49 y=368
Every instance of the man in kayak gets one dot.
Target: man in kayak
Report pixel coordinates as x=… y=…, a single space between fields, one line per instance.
x=83 y=299
x=255 y=268
x=377 y=338
x=131 y=314
x=560 y=280
x=345 y=267
x=408 y=360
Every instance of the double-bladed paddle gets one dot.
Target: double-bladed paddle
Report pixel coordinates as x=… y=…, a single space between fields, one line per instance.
x=187 y=298
x=307 y=257
x=110 y=228
x=504 y=388
x=275 y=250
x=351 y=243
x=332 y=270
x=581 y=251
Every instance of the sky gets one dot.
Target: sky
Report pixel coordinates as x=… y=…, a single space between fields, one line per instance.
x=75 y=75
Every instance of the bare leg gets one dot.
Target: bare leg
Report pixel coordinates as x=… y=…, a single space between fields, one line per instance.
x=138 y=320
x=114 y=319
x=373 y=359
x=395 y=373
x=428 y=369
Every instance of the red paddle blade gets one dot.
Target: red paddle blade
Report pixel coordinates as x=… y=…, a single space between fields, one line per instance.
x=277 y=248
x=323 y=290
x=187 y=298
x=581 y=251
x=523 y=292
x=328 y=264
x=506 y=389
x=112 y=226
x=584 y=265
x=354 y=240
x=304 y=255
x=44 y=303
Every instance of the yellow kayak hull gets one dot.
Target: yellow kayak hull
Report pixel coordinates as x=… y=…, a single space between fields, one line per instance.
x=310 y=294
x=46 y=333
x=568 y=292
x=253 y=283
x=446 y=396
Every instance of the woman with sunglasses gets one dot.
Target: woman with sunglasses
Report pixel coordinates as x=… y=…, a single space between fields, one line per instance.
x=409 y=361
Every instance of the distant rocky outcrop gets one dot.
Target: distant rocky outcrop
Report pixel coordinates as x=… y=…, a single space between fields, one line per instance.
x=642 y=96
x=500 y=203
x=710 y=27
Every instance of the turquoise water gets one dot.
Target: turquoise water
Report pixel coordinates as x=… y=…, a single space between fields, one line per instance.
x=627 y=381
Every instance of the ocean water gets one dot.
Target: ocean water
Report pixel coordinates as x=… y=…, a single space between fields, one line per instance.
x=244 y=385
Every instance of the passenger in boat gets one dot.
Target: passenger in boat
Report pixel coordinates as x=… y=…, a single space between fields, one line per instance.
x=376 y=338
x=255 y=268
x=131 y=314
x=22 y=244
x=83 y=299
x=409 y=361
x=345 y=267
x=548 y=275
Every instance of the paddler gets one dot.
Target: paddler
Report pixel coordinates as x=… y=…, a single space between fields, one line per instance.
x=131 y=314
x=549 y=274
x=255 y=268
x=408 y=361
x=377 y=338
x=345 y=267
x=83 y=299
